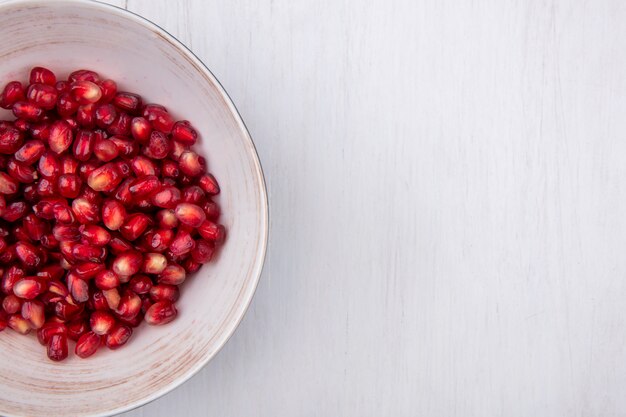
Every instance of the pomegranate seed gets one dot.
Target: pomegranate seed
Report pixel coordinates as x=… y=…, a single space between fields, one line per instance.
x=46 y=188
x=89 y=253
x=10 y=277
x=66 y=233
x=203 y=252
x=21 y=172
x=161 y=312
x=20 y=234
x=121 y=125
x=194 y=195
x=63 y=214
x=129 y=306
x=173 y=275
x=48 y=330
x=113 y=214
x=3 y=207
x=86 y=168
x=8 y=256
x=184 y=133
x=118 y=245
x=84 y=75
x=67 y=311
x=42 y=75
x=61 y=136
x=69 y=185
x=109 y=90
x=78 y=288
x=19 y=324
x=144 y=186
x=191 y=164
x=134 y=226
x=209 y=184
x=191 y=266
x=167 y=197
x=122 y=193
x=87 y=344
x=30 y=194
x=101 y=322
x=212 y=210
x=159 y=118
x=141 y=129
x=107 y=280
x=42 y=95
x=212 y=231
x=27 y=111
x=33 y=311
x=40 y=131
x=106 y=178
x=10 y=141
x=30 y=152
x=29 y=287
x=190 y=214
x=86 y=92
x=76 y=328
x=161 y=240
x=127 y=264
x=154 y=263
x=28 y=254
x=170 y=169
x=83 y=145
x=143 y=166
x=7 y=184
x=118 y=336
x=66 y=105
x=105 y=150
x=67 y=248
x=69 y=165
x=140 y=284
x=51 y=272
x=98 y=301
x=57 y=347
x=35 y=227
x=22 y=125
x=105 y=115
x=158 y=146
x=127 y=102
x=86 y=116
x=88 y=270
x=12 y=304
x=125 y=147
x=12 y=93
x=112 y=298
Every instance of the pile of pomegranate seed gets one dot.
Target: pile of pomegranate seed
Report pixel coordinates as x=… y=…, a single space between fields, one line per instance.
x=104 y=211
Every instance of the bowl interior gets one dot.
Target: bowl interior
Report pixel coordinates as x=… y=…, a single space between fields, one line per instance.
x=68 y=35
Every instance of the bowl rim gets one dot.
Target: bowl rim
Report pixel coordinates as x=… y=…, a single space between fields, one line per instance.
x=242 y=309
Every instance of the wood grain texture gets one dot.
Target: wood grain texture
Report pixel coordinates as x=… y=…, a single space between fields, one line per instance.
x=447 y=188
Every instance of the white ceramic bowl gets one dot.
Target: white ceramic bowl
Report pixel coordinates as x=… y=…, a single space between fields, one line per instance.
x=141 y=57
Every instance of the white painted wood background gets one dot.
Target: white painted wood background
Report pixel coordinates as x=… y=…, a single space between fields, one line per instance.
x=447 y=185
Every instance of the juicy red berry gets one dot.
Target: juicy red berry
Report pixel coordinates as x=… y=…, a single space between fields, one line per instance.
x=161 y=312
x=87 y=344
x=57 y=347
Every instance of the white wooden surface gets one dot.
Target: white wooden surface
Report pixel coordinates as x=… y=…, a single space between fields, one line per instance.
x=448 y=196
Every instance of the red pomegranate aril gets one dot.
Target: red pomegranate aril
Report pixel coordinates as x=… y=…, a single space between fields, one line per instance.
x=85 y=211
x=118 y=245
x=212 y=231
x=109 y=90
x=184 y=133
x=40 y=131
x=182 y=244
x=88 y=270
x=21 y=172
x=89 y=253
x=27 y=111
x=194 y=195
x=161 y=240
x=30 y=152
x=98 y=301
x=42 y=95
x=76 y=328
x=35 y=227
x=79 y=289
x=12 y=304
x=212 y=210
x=154 y=263
x=118 y=336
x=51 y=272
x=209 y=184
x=141 y=129
x=86 y=116
x=140 y=284
x=158 y=146
x=168 y=197
x=66 y=105
x=20 y=234
x=69 y=165
x=86 y=92
x=161 y=312
x=144 y=186
x=160 y=119
x=169 y=169
x=101 y=322
x=173 y=275
x=107 y=280
x=57 y=347
x=8 y=185
x=10 y=141
x=19 y=324
x=48 y=241
x=113 y=214
x=105 y=178
x=95 y=235
x=69 y=185
x=8 y=256
x=134 y=226
x=30 y=194
x=12 y=93
x=124 y=146
x=127 y=264
x=67 y=311
x=129 y=306
x=203 y=252
x=127 y=102
x=43 y=76
x=66 y=233
x=105 y=150
x=33 y=311
x=191 y=266
x=191 y=164
x=190 y=214
x=48 y=330
x=83 y=145
x=3 y=206
x=29 y=288
x=112 y=297
x=143 y=166
x=84 y=75
x=105 y=115
x=86 y=168
x=87 y=344
x=28 y=254
x=10 y=277
x=63 y=214
x=121 y=125
x=46 y=188
x=22 y=125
